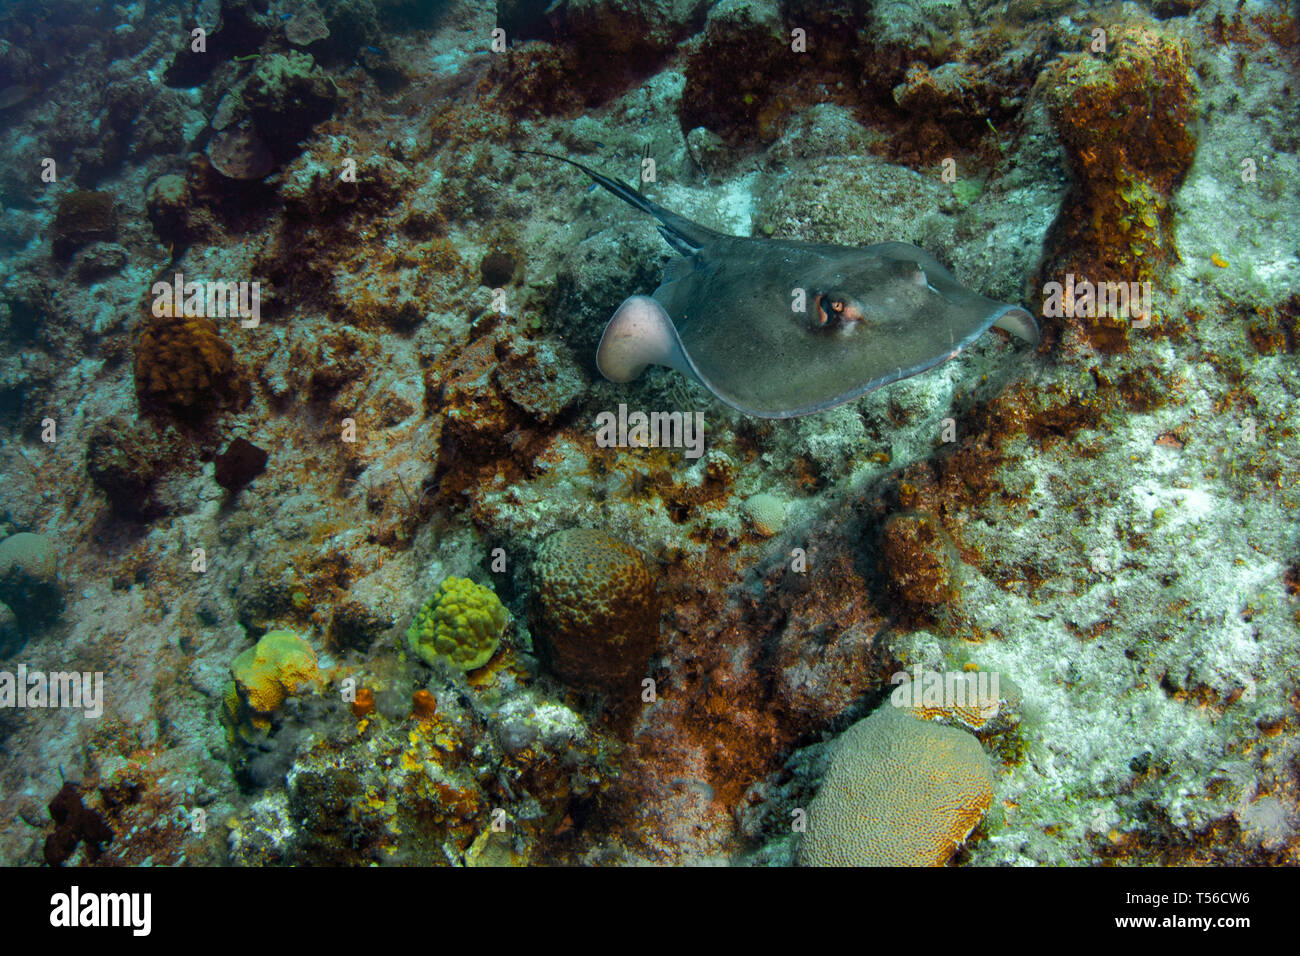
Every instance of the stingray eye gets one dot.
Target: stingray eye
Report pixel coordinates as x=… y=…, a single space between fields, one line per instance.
x=845 y=308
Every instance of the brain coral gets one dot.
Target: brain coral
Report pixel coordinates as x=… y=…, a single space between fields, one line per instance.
x=184 y=366
x=29 y=578
x=267 y=674
x=899 y=792
x=595 y=610
x=766 y=513
x=462 y=622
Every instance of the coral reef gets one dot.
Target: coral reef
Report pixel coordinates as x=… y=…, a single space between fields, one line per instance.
x=12 y=637
x=665 y=649
x=462 y=622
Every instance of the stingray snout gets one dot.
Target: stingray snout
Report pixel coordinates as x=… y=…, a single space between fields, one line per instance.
x=640 y=333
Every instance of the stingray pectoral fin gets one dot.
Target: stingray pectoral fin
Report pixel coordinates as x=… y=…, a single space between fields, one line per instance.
x=1019 y=323
x=640 y=333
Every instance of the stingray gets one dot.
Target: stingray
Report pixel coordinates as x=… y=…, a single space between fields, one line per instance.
x=777 y=328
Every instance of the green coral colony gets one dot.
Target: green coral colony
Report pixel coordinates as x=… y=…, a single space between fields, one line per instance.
x=462 y=623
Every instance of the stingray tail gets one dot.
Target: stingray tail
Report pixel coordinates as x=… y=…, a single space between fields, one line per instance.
x=683 y=235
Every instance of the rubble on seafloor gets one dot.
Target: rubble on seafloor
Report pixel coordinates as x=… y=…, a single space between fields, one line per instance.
x=364 y=588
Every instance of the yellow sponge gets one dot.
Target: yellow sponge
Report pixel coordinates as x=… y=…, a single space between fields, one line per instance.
x=462 y=622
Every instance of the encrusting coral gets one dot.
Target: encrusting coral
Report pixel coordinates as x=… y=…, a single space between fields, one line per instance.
x=264 y=676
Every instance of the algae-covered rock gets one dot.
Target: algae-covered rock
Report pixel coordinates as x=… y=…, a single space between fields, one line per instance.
x=629 y=26
x=11 y=635
x=919 y=560
x=99 y=261
x=743 y=55
x=29 y=304
x=1118 y=219
x=172 y=208
x=286 y=96
x=126 y=458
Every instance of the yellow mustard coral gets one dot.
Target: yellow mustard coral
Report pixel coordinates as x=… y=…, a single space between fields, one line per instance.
x=462 y=622
x=264 y=675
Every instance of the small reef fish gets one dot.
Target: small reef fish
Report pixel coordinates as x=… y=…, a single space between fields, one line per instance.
x=778 y=329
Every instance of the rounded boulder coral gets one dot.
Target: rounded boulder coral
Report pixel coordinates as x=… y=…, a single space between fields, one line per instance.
x=462 y=622
x=899 y=792
x=185 y=367
x=766 y=513
x=83 y=216
x=595 y=610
